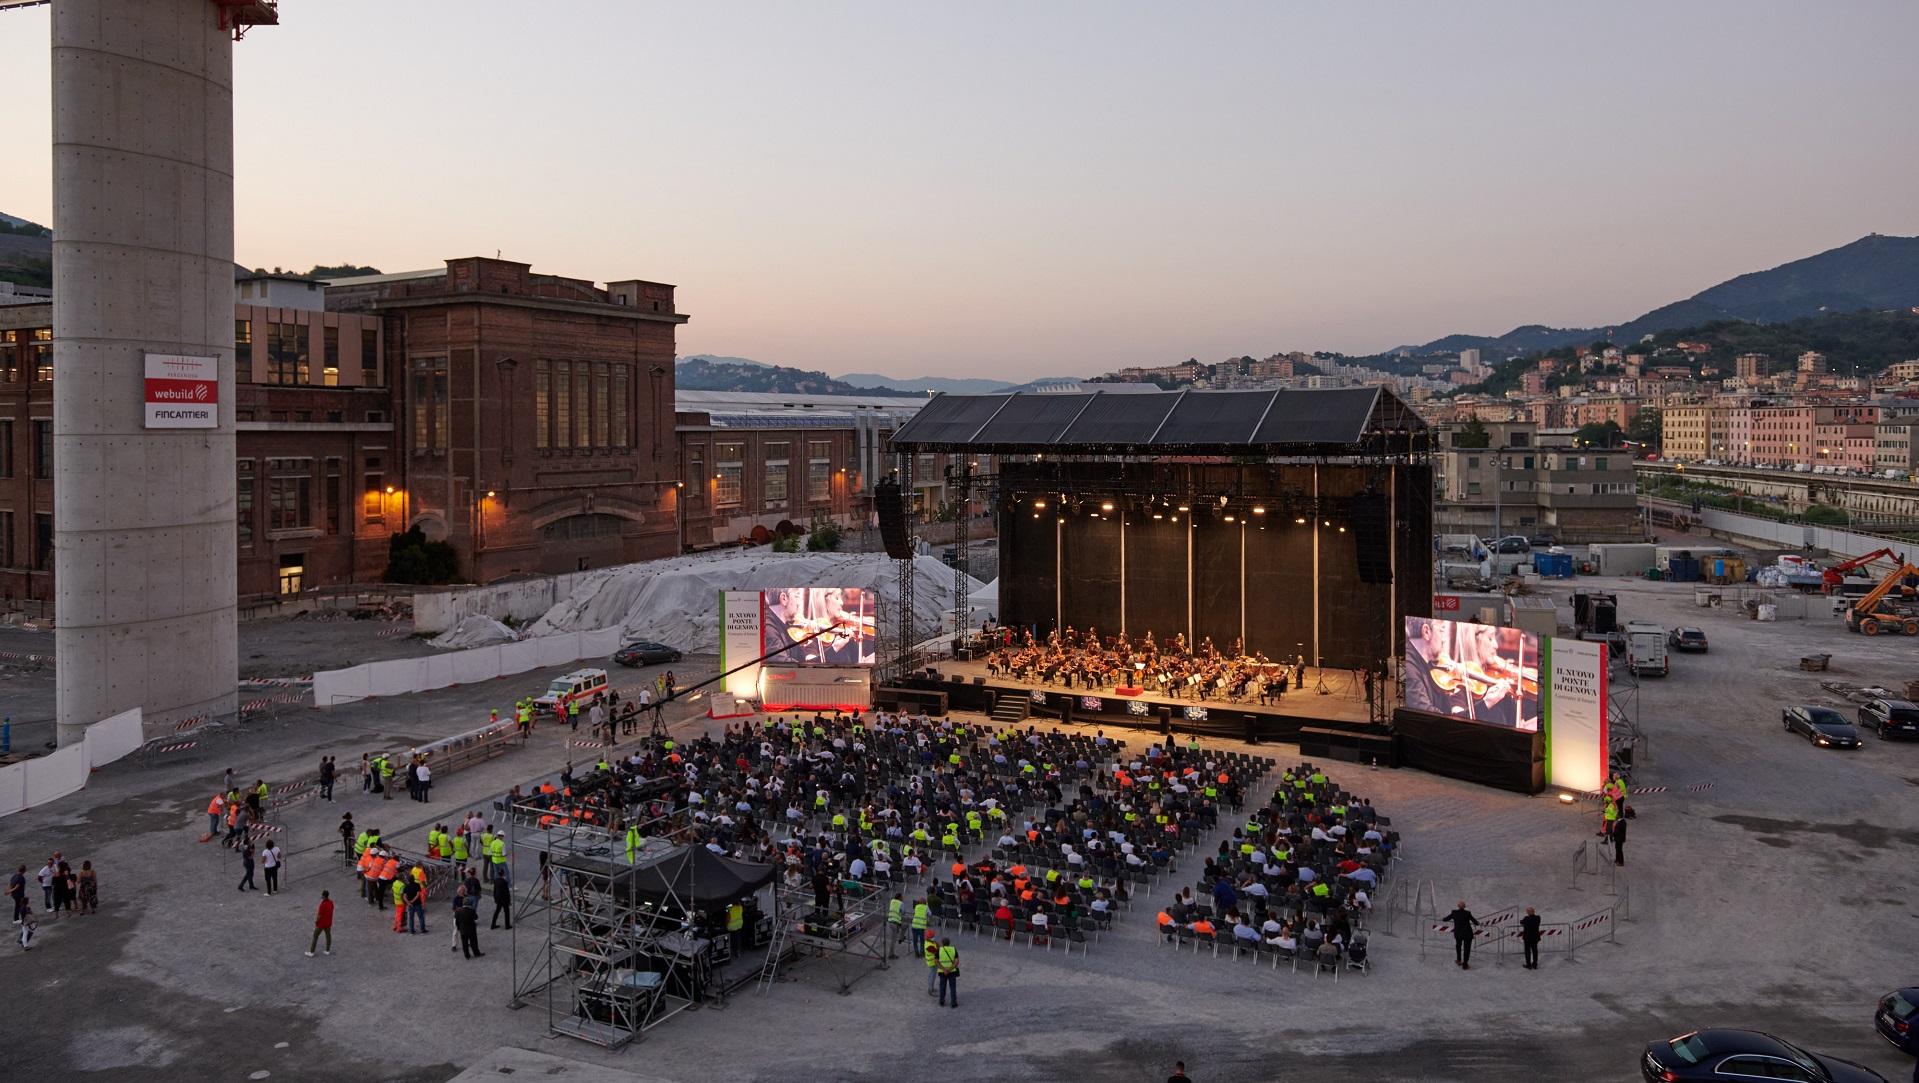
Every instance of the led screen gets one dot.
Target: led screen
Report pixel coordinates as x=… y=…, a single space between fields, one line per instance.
x=1472 y=672
x=844 y=614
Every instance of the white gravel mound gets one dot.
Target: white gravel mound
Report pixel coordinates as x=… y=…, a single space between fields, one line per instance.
x=473 y=631
x=677 y=601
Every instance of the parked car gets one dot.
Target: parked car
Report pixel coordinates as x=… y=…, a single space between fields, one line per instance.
x=1898 y=1019
x=1889 y=718
x=1823 y=726
x=1727 y=1055
x=642 y=652
x=1687 y=639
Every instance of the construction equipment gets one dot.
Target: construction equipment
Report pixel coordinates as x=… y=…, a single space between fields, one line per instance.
x=1874 y=613
x=1836 y=574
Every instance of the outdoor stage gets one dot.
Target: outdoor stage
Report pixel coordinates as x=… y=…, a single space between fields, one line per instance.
x=1330 y=726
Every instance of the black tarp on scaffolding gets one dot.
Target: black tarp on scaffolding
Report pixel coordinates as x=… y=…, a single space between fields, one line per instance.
x=692 y=876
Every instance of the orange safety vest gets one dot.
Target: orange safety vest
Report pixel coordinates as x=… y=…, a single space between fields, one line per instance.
x=390 y=869
x=214 y=806
x=366 y=861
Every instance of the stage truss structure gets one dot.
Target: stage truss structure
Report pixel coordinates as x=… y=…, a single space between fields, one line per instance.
x=608 y=965
x=897 y=655
x=850 y=937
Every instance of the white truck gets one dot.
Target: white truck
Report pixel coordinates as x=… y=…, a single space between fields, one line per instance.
x=1646 y=649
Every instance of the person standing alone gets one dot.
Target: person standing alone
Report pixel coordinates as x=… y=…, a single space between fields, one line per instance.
x=1463 y=922
x=246 y=862
x=322 y=924
x=949 y=971
x=270 y=861
x=1529 y=938
x=1619 y=839
x=467 y=918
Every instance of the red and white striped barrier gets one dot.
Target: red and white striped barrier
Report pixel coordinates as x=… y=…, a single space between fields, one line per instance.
x=177 y=746
x=1600 y=918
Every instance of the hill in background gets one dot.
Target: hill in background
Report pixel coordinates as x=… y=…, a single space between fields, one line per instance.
x=1874 y=272
x=700 y=373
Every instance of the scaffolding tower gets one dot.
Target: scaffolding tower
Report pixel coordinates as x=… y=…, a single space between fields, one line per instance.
x=614 y=953
x=847 y=935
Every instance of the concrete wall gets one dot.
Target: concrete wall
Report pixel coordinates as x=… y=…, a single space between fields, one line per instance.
x=143 y=262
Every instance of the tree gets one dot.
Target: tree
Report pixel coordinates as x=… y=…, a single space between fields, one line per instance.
x=1473 y=435
x=340 y=270
x=1648 y=427
x=1599 y=434
x=413 y=559
x=825 y=537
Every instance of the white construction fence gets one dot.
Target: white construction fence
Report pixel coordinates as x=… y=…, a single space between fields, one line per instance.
x=401 y=676
x=34 y=782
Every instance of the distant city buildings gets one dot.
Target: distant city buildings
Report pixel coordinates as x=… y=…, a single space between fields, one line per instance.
x=1533 y=481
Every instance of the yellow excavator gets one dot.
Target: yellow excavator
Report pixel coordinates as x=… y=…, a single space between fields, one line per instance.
x=1870 y=615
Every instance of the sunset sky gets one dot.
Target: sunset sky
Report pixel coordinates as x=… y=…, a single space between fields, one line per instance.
x=1019 y=189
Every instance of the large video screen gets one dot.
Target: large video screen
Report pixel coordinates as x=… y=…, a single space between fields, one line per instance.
x=844 y=614
x=1473 y=672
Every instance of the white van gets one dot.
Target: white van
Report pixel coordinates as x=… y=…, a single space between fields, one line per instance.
x=579 y=684
x=1646 y=649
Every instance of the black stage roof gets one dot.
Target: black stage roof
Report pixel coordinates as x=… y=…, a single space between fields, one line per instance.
x=1337 y=421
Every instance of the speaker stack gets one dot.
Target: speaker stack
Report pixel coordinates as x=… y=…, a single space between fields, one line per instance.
x=1372 y=537
x=889 y=506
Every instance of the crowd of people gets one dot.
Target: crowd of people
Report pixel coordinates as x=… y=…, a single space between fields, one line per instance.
x=63 y=890
x=1091 y=661
x=1296 y=879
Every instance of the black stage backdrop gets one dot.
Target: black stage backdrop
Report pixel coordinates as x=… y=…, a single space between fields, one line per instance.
x=1216 y=564
x=1089 y=569
x=1267 y=559
x=1156 y=576
x=1027 y=597
x=1279 y=587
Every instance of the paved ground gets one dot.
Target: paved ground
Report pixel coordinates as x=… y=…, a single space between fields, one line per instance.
x=1782 y=896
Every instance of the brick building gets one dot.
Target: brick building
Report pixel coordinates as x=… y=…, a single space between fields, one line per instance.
x=314 y=423
x=536 y=413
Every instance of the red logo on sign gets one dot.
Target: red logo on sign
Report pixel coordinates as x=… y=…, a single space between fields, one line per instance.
x=180 y=390
x=1445 y=603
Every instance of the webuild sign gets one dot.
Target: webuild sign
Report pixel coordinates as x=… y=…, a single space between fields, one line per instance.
x=182 y=392
x=740 y=612
x=1576 y=740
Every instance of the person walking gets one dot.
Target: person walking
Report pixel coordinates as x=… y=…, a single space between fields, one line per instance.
x=1529 y=938
x=948 y=971
x=1463 y=923
x=502 y=902
x=270 y=859
x=467 y=920
x=246 y=863
x=322 y=924
x=348 y=834
x=46 y=885
x=17 y=891
x=1619 y=840
x=327 y=772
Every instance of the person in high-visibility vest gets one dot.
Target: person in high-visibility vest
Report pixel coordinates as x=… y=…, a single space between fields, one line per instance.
x=922 y=917
x=633 y=842
x=459 y=846
x=896 y=917
x=931 y=950
x=399 y=906
x=386 y=777
x=496 y=850
x=947 y=963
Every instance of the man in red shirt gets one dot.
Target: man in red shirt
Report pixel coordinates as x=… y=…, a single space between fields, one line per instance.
x=322 y=924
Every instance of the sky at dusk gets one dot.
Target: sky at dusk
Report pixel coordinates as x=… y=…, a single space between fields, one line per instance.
x=1015 y=190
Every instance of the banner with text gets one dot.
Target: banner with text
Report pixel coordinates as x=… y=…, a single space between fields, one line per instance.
x=1576 y=740
x=740 y=613
x=182 y=391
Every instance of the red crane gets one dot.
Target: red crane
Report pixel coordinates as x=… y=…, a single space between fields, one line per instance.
x=1836 y=574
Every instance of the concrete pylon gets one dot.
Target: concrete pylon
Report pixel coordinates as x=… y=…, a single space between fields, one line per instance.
x=142 y=264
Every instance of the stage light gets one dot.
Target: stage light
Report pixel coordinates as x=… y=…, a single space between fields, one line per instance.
x=1325 y=522
x=1175 y=518
x=1257 y=510
x=1301 y=520
x=1106 y=506
x=1183 y=507
x=1039 y=504
x=1222 y=501
x=1566 y=799
x=1342 y=530
x=1229 y=518
x=1157 y=515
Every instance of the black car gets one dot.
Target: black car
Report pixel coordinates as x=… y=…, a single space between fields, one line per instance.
x=1898 y=1019
x=1889 y=718
x=642 y=653
x=1726 y=1056
x=1687 y=639
x=1822 y=726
